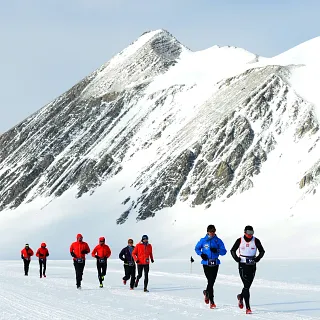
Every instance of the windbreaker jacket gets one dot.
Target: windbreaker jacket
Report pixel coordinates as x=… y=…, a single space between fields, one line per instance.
x=42 y=253
x=126 y=254
x=142 y=253
x=77 y=247
x=204 y=245
x=27 y=253
x=103 y=251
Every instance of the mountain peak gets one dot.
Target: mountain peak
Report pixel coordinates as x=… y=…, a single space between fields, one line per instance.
x=153 y=53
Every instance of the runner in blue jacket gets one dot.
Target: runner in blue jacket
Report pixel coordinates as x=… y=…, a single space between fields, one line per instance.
x=210 y=248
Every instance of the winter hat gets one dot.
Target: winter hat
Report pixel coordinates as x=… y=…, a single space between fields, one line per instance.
x=27 y=245
x=145 y=237
x=102 y=239
x=43 y=244
x=248 y=228
x=211 y=228
x=79 y=236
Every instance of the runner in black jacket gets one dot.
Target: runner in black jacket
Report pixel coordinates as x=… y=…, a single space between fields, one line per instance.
x=247 y=259
x=128 y=263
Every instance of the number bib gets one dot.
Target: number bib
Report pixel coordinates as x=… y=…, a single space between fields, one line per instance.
x=79 y=260
x=250 y=261
x=212 y=262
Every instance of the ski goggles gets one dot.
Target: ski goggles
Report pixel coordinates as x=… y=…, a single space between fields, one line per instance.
x=250 y=232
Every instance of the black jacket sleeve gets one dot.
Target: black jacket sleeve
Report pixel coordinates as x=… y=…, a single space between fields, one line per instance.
x=234 y=249
x=261 y=250
x=121 y=254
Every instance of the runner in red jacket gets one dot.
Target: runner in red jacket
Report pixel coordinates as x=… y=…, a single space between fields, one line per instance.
x=101 y=252
x=42 y=254
x=78 y=251
x=142 y=255
x=26 y=254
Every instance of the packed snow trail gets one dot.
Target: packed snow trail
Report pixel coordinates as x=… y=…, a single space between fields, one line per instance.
x=175 y=293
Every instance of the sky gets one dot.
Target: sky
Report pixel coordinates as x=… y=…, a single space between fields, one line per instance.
x=48 y=46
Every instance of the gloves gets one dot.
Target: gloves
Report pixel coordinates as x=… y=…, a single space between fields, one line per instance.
x=97 y=257
x=125 y=261
x=22 y=256
x=84 y=251
x=152 y=261
x=256 y=259
x=72 y=254
x=214 y=250
x=47 y=255
x=238 y=259
x=204 y=256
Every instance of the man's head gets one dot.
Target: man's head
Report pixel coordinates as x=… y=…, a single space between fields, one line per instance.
x=211 y=230
x=248 y=231
x=102 y=240
x=130 y=242
x=43 y=245
x=145 y=238
x=79 y=237
x=27 y=246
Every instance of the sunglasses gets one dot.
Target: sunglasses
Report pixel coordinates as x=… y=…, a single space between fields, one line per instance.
x=212 y=231
x=249 y=232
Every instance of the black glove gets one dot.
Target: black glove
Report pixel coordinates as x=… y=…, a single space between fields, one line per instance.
x=125 y=260
x=204 y=256
x=22 y=256
x=256 y=259
x=97 y=257
x=152 y=261
x=47 y=255
x=84 y=251
x=238 y=259
x=214 y=250
x=72 y=254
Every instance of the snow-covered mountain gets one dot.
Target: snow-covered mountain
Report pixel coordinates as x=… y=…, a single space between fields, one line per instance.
x=159 y=130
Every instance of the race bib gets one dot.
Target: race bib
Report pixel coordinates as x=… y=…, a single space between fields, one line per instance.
x=79 y=260
x=130 y=263
x=212 y=262
x=102 y=261
x=250 y=261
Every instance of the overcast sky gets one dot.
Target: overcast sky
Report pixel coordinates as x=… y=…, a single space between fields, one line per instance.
x=47 y=46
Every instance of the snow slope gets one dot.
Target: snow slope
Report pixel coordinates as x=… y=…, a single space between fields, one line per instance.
x=175 y=292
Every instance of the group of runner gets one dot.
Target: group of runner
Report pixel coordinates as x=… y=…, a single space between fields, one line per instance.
x=211 y=247
x=139 y=257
